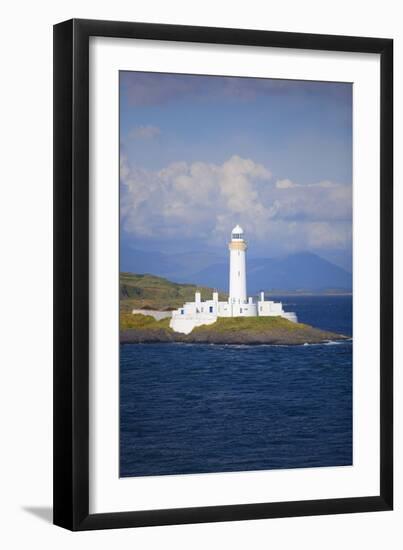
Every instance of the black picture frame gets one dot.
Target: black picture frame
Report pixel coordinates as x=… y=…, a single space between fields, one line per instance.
x=71 y=274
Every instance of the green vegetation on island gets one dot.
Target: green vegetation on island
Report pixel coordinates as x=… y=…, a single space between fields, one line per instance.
x=232 y=330
x=156 y=293
x=138 y=321
x=222 y=325
x=257 y=324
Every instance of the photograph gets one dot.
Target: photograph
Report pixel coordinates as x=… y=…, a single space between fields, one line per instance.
x=202 y=198
x=235 y=290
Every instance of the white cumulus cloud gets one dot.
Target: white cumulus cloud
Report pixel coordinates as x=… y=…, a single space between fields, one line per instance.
x=204 y=200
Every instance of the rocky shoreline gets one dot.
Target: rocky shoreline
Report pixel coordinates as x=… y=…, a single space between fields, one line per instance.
x=304 y=334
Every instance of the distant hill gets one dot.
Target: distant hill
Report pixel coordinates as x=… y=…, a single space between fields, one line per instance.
x=302 y=271
x=178 y=267
x=152 y=292
x=299 y=272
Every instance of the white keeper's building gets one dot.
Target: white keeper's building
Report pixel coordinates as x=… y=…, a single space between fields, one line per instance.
x=193 y=314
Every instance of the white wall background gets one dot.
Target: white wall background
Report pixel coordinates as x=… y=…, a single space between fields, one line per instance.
x=26 y=279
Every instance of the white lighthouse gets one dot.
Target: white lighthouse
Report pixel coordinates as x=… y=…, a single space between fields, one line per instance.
x=237 y=266
x=199 y=312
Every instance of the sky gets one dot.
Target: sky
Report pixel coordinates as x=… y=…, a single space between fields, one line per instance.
x=200 y=154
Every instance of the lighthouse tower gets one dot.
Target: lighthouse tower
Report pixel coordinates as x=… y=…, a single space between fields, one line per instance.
x=198 y=313
x=237 y=267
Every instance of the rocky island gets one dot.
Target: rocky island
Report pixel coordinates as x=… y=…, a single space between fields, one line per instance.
x=137 y=329
x=150 y=294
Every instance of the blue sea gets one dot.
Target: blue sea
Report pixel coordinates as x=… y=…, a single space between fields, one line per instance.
x=195 y=408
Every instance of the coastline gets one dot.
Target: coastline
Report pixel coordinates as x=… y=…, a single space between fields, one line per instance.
x=281 y=332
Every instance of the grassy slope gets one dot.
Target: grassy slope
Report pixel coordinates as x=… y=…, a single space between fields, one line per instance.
x=151 y=292
x=222 y=325
x=255 y=324
x=130 y=321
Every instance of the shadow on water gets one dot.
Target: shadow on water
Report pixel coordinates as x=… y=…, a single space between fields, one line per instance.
x=45 y=513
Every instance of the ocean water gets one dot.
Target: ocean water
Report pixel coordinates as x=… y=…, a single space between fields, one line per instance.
x=194 y=408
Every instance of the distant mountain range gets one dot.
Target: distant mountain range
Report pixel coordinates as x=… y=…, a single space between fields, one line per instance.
x=303 y=271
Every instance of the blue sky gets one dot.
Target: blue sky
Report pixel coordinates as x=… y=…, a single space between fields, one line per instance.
x=200 y=154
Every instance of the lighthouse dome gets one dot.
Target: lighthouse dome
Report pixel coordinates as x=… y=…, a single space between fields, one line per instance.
x=237 y=232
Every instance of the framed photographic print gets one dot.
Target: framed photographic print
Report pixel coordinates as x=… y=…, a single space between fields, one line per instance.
x=223 y=274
